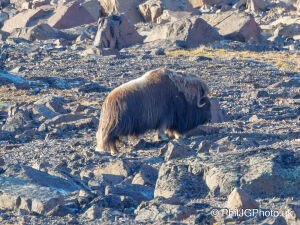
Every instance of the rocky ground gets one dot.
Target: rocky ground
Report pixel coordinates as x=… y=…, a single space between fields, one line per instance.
x=51 y=92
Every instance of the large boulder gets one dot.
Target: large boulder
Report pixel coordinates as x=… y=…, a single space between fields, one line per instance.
x=70 y=15
x=21 y=194
x=151 y=10
x=172 y=16
x=118 y=7
x=234 y=25
x=132 y=7
x=189 y=32
x=27 y=18
x=93 y=7
x=115 y=32
x=38 y=32
x=175 y=181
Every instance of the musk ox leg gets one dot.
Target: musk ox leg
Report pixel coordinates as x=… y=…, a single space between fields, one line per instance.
x=113 y=148
x=173 y=134
x=162 y=136
x=178 y=135
x=99 y=145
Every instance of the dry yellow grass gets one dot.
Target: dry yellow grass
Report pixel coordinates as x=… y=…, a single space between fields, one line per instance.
x=285 y=61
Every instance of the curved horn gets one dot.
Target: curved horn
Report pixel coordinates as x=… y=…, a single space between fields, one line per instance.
x=199 y=100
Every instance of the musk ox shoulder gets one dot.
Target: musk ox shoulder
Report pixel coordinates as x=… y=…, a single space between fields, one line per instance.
x=161 y=99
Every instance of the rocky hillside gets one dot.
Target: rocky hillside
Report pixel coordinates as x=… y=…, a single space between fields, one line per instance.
x=60 y=59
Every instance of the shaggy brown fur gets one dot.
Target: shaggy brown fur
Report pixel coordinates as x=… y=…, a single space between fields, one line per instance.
x=160 y=99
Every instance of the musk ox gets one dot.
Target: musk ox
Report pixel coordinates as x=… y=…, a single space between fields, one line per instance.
x=161 y=99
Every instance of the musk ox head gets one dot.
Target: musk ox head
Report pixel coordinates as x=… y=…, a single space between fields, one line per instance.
x=161 y=99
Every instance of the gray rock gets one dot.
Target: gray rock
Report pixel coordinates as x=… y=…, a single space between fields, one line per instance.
x=38 y=32
x=52 y=102
x=94 y=8
x=159 y=51
x=234 y=25
x=163 y=212
x=93 y=87
x=20 y=194
x=176 y=150
x=116 y=32
x=26 y=18
x=137 y=192
x=151 y=10
x=146 y=176
x=18 y=120
x=240 y=199
x=99 y=182
x=118 y=7
x=190 y=32
x=177 y=181
x=204 y=146
x=40 y=178
x=3 y=36
x=70 y=15
x=116 y=167
x=42 y=112
x=93 y=212
x=69 y=121
x=2 y=162
x=263 y=174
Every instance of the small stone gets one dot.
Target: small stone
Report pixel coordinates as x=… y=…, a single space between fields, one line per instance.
x=146 y=176
x=94 y=212
x=137 y=192
x=262 y=94
x=115 y=167
x=204 y=146
x=200 y=58
x=159 y=51
x=2 y=162
x=175 y=150
x=253 y=118
x=17 y=69
x=240 y=199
